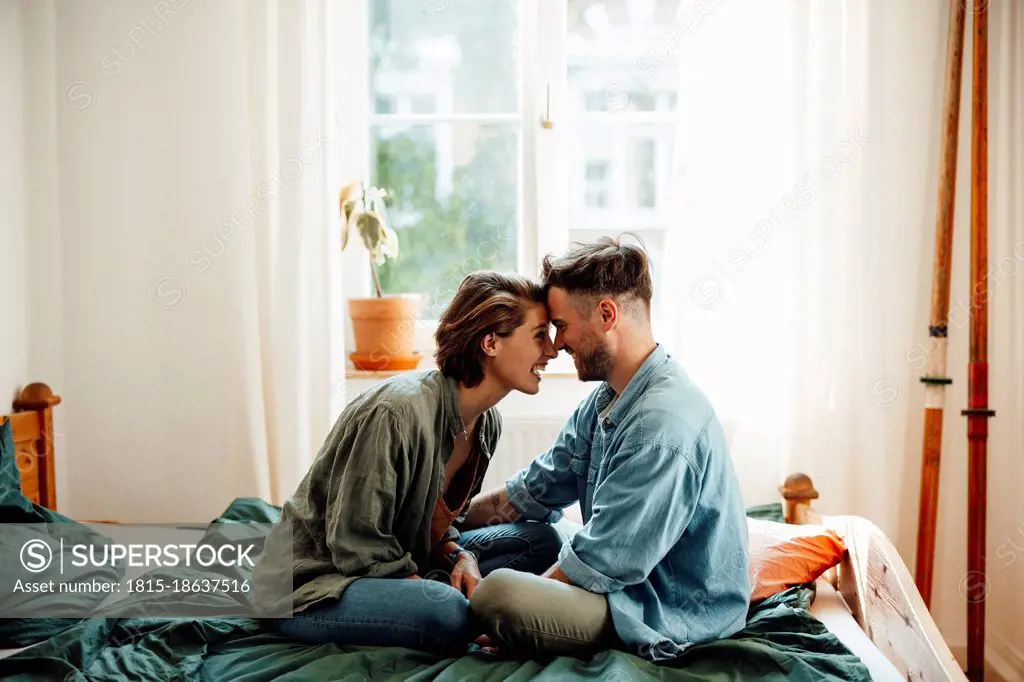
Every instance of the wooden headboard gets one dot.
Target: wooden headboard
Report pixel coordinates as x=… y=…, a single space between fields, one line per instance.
x=32 y=427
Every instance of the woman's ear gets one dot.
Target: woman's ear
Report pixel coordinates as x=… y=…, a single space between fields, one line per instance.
x=489 y=345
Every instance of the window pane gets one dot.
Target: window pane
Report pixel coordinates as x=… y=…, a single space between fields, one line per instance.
x=622 y=82
x=423 y=104
x=455 y=204
x=643 y=101
x=642 y=172
x=631 y=162
x=461 y=55
x=596 y=184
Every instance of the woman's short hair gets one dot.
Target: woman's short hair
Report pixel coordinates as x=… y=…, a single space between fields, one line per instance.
x=486 y=302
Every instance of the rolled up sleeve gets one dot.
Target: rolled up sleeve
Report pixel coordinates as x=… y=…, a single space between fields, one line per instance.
x=530 y=508
x=451 y=535
x=547 y=486
x=641 y=509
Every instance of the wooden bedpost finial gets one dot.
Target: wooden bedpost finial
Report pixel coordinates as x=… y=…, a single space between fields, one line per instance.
x=35 y=396
x=797 y=491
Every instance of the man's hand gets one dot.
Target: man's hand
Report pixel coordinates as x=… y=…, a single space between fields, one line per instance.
x=490 y=509
x=466 y=574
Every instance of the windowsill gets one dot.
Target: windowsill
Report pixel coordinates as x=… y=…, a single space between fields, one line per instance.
x=353 y=373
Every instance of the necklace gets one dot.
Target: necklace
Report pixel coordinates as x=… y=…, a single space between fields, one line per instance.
x=465 y=432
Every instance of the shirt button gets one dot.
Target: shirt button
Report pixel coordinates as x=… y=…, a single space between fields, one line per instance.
x=607 y=423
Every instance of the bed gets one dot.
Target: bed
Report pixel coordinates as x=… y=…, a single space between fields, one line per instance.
x=863 y=619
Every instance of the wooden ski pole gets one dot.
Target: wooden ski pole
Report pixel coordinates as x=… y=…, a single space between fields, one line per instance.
x=977 y=411
x=936 y=379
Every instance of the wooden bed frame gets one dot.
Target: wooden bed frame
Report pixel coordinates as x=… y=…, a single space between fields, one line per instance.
x=32 y=427
x=878 y=589
x=872 y=578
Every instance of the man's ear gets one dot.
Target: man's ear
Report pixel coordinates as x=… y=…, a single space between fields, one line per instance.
x=609 y=312
x=489 y=345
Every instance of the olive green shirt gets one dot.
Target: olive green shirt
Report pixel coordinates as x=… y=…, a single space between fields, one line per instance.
x=364 y=508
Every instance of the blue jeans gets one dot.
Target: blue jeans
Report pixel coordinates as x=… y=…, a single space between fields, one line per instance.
x=422 y=614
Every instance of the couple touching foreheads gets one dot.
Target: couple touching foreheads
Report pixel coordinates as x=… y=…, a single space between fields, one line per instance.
x=394 y=497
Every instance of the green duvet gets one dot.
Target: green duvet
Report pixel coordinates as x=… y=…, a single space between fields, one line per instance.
x=781 y=641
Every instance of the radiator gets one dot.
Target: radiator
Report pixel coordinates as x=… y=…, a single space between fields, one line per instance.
x=522 y=439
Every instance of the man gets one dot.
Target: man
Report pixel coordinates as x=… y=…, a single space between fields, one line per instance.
x=661 y=562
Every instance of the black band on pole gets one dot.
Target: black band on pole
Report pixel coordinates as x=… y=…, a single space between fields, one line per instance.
x=936 y=380
x=938 y=330
x=978 y=412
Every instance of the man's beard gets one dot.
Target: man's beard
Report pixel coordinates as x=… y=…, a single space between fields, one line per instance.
x=595 y=363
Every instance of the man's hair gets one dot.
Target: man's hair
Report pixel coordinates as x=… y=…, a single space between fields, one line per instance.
x=602 y=268
x=485 y=303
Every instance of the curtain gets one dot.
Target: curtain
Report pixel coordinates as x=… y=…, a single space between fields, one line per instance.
x=806 y=174
x=194 y=247
x=292 y=317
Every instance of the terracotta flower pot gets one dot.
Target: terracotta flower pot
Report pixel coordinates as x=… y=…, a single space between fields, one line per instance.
x=385 y=332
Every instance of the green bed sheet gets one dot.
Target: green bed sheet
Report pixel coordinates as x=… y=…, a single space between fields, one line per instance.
x=781 y=641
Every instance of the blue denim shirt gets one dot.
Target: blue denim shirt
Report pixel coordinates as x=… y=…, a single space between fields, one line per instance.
x=665 y=534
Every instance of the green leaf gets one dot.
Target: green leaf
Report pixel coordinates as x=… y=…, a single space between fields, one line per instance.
x=371 y=229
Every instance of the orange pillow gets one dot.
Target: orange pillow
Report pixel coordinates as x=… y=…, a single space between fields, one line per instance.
x=783 y=555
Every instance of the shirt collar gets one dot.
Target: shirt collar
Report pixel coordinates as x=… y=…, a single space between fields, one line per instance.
x=453 y=424
x=637 y=383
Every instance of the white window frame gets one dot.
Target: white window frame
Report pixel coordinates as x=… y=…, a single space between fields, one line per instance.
x=543 y=212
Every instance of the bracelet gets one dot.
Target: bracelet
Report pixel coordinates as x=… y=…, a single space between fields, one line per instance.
x=453 y=556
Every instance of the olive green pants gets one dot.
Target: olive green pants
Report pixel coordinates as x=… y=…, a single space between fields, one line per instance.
x=533 y=616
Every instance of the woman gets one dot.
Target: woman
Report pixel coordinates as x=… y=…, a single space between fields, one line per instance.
x=374 y=515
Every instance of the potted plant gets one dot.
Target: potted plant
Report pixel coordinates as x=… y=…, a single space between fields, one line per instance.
x=384 y=326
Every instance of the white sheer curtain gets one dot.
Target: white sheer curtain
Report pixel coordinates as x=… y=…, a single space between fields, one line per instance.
x=190 y=156
x=293 y=323
x=807 y=172
x=735 y=162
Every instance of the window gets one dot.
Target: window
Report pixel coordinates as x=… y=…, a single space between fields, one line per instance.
x=449 y=152
x=456 y=135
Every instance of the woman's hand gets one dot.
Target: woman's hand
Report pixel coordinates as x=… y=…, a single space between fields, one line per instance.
x=487 y=644
x=466 y=574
